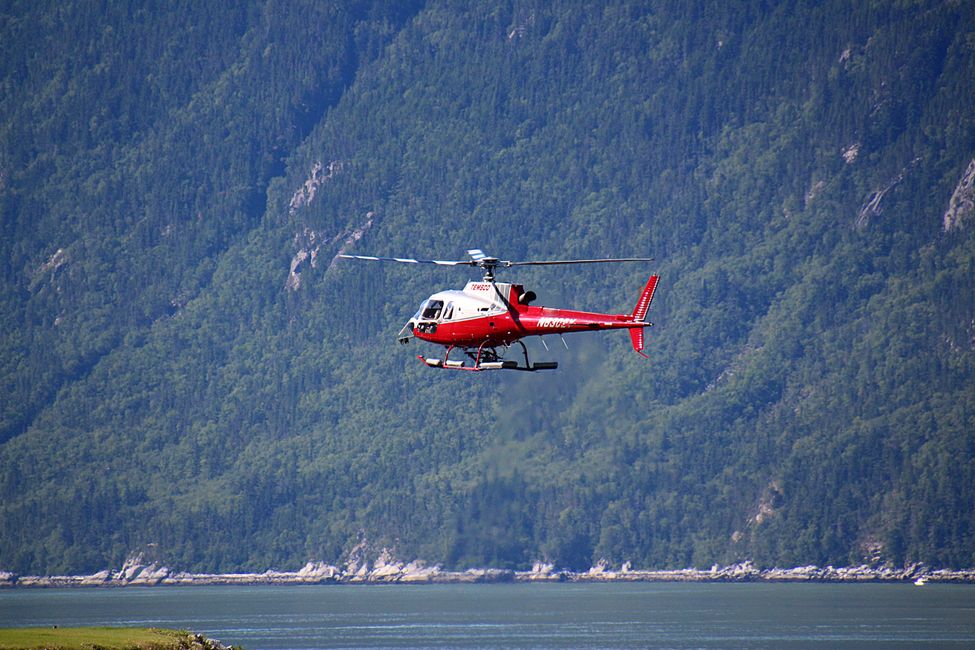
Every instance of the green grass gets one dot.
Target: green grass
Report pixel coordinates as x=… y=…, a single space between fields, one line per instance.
x=69 y=638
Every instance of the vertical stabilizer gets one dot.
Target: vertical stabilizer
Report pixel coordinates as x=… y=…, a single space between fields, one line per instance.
x=643 y=304
x=636 y=336
x=640 y=314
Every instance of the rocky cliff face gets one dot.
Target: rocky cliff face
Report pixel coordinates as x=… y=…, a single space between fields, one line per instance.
x=961 y=205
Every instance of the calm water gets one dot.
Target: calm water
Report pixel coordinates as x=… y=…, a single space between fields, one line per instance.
x=525 y=615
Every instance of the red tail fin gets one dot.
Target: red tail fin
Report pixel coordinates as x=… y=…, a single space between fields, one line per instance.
x=643 y=304
x=636 y=335
x=640 y=313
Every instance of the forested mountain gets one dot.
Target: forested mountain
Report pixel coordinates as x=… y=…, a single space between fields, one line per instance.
x=183 y=362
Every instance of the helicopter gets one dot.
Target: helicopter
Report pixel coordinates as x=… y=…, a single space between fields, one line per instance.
x=486 y=318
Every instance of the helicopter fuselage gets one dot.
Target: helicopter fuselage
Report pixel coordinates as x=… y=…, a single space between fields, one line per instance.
x=486 y=317
x=495 y=314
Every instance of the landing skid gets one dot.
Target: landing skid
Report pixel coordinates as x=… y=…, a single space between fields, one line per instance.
x=487 y=358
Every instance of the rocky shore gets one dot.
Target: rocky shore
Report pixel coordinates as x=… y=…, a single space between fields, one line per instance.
x=385 y=569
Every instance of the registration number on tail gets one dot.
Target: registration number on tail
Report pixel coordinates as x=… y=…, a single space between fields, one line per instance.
x=556 y=322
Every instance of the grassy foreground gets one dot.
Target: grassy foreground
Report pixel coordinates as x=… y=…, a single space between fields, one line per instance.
x=120 y=638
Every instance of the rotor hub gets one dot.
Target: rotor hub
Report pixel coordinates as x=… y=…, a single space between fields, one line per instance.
x=489 y=264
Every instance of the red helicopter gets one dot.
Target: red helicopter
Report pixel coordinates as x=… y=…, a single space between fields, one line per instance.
x=486 y=318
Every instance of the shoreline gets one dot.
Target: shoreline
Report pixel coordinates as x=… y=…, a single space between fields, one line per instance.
x=100 y=636
x=136 y=574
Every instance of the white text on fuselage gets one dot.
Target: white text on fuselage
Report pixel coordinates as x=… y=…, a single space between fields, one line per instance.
x=556 y=323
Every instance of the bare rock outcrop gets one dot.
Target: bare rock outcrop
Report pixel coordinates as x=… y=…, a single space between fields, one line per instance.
x=308 y=244
x=387 y=569
x=318 y=572
x=873 y=206
x=540 y=572
x=961 y=206
x=48 y=269
x=319 y=174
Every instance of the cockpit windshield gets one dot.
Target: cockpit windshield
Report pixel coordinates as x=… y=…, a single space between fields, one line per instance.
x=431 y=309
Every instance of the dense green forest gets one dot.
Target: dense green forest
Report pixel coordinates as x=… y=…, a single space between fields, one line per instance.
x=183 y=362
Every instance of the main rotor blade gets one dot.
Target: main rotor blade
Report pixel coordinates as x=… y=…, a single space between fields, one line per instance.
x=408 y=260
x=548 y=262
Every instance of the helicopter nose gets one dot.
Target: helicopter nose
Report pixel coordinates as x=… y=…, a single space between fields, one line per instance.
x=404 y=335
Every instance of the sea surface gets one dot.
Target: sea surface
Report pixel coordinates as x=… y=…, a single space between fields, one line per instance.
x=620 y=615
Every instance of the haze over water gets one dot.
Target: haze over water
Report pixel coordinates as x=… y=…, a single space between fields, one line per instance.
x=525 y=615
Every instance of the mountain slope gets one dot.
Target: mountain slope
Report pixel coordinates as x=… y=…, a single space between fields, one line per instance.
x=242 y=406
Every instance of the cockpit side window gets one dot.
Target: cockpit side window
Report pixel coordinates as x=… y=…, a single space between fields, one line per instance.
x=448 y=311
x=431 y=309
